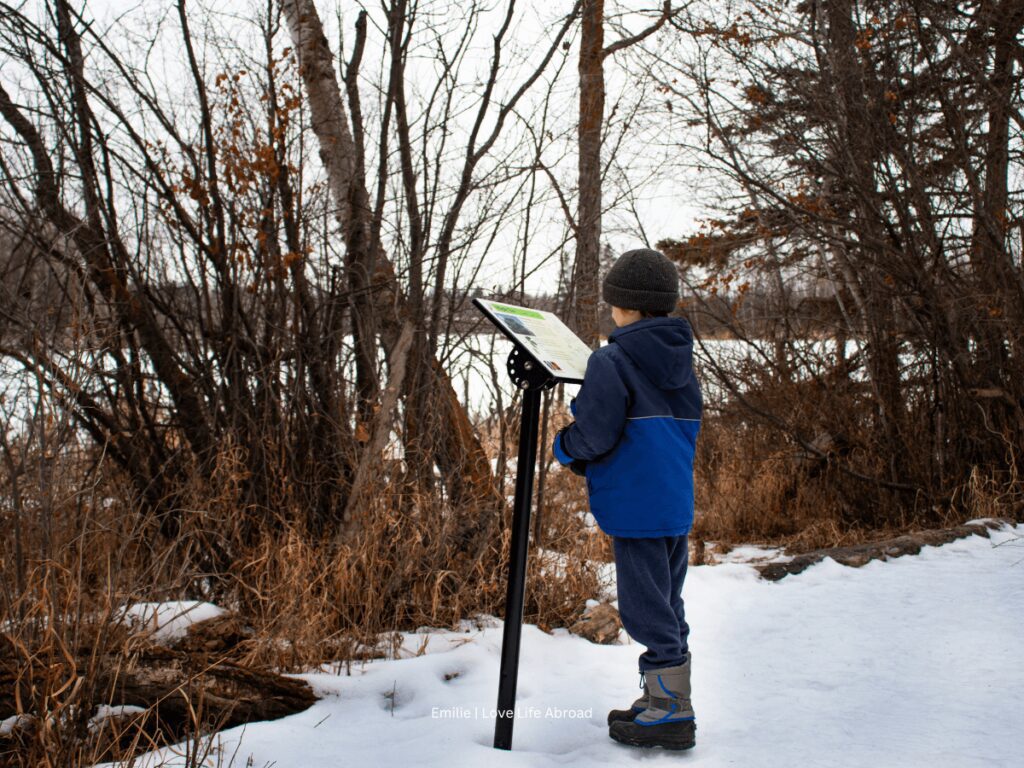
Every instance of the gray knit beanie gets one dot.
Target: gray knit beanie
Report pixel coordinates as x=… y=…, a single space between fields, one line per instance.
x=642 y=279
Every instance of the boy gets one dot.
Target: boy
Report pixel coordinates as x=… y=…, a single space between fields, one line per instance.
x=637 y=417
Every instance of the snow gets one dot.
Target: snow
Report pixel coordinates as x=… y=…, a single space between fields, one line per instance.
x=909 y=662
x=751 y=554
x=168 y=622
x=105 y=712
x=10 y=724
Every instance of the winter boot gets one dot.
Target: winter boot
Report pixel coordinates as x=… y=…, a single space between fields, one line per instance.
x=635 y=709
x=668 y=720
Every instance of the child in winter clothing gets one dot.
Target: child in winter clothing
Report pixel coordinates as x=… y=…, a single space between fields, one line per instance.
x=636 y=421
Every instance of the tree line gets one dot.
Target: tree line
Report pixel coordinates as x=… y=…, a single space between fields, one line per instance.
x=323 y=210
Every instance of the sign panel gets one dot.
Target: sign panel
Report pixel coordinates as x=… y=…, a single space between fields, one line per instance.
x=546 y=338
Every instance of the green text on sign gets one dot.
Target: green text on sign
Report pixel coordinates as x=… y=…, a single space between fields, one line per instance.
x=517 y=311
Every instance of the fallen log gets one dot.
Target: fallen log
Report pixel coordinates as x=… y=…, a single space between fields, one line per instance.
x=860 y=554
x=195 y=685
x=174 y=685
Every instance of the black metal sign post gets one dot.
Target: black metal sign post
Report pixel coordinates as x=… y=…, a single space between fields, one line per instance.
x=544 y=353
x=532 y=379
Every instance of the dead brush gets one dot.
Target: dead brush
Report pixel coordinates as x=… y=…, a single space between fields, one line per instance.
x=314 y=603
x=566 y=536
x=308 y=598
x=312 y=597
x=993 y=494
x=753 y=488
x=63 y=648
x=756 y=484
x=84 y=550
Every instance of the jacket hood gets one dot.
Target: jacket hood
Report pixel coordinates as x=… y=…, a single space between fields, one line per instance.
x=661 y=347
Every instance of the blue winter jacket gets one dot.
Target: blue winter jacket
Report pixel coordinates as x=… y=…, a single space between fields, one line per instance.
x=637 y=417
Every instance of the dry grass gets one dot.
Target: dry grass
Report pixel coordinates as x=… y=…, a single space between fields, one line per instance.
x=754 y=488
x=85 y=549
x=78 y=553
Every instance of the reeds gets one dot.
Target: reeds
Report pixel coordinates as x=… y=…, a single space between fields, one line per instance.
x=86 y=549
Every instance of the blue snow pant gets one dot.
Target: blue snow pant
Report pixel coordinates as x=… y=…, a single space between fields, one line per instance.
x=649 y=581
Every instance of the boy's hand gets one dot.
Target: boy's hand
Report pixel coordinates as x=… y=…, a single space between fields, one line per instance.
x=576 y=466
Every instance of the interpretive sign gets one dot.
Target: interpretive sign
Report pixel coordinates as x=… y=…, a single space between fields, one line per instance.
x=544 y=352
x=543 y=336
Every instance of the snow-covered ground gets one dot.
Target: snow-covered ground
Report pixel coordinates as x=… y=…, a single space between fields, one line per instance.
x=911 y=662
x=167 y=622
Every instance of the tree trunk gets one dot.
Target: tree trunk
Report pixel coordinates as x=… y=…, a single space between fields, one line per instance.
x=855 y=154
x=993 y=264
x=588 y=221
x=381 y=428
x=457 y=450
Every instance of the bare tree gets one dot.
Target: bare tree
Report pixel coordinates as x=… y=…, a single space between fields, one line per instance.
x=197 y=244
x=863 y=152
